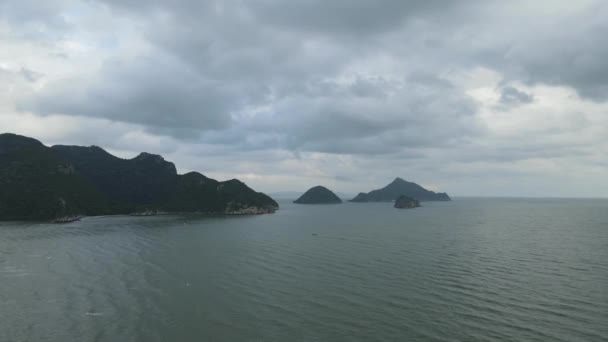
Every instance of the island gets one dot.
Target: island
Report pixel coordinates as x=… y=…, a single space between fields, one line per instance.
x=318 y=195
x=65 y=183
x=405 y=202
x=400 y=187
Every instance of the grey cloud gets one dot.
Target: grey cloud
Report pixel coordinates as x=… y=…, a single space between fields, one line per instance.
x=273 y=42
x=504 y=152
x=30 y=75
x=216 y=68
x=5 y=73
x=511 y=96
x=36 y=20
x=369 y=87
x=363 y=78
x=581 y=64
x=345 y=16
x=293 y=93
x=401 y=115
x=160 y=94
x=10 y=78
x=351 y=17
x=567 y=50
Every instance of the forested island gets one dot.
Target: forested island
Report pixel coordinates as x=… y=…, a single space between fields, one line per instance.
x=405 y=202
x=400 y=187
x=64 y=183
x=318 y=195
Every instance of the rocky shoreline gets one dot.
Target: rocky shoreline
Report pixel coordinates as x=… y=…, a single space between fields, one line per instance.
x=245 y=211
x=232 y=210
x=251 y=211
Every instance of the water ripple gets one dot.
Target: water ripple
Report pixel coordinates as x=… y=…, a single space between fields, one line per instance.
x=489 y=270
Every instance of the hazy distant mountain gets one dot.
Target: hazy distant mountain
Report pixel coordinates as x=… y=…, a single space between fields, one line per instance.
x=318 y=195
x=40 y=182
x=296 y=194
x=400 y=187
x=290 y=195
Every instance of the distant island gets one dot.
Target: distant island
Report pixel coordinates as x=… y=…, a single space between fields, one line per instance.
x=318 y=195
x=64 y=183
x=404 y=202
x=400 y=187
x=291 y=195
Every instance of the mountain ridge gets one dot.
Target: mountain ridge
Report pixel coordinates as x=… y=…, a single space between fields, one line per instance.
x=47 y=183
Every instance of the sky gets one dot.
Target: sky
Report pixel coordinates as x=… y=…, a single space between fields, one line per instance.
x=474 y=98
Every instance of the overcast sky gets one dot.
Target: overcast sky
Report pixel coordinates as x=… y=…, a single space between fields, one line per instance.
x=483 y=97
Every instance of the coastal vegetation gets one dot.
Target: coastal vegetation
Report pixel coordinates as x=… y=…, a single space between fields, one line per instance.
x=55 y=183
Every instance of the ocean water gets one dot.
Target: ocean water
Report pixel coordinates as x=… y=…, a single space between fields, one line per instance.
x=466 y=270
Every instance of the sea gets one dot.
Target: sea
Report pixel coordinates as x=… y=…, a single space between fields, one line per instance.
x=473 y=269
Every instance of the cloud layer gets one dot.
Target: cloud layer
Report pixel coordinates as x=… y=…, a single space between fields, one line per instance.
x=469 y=97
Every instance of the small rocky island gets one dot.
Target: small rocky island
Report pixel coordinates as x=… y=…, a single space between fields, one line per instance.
x=405 y=202
x=318 y=195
